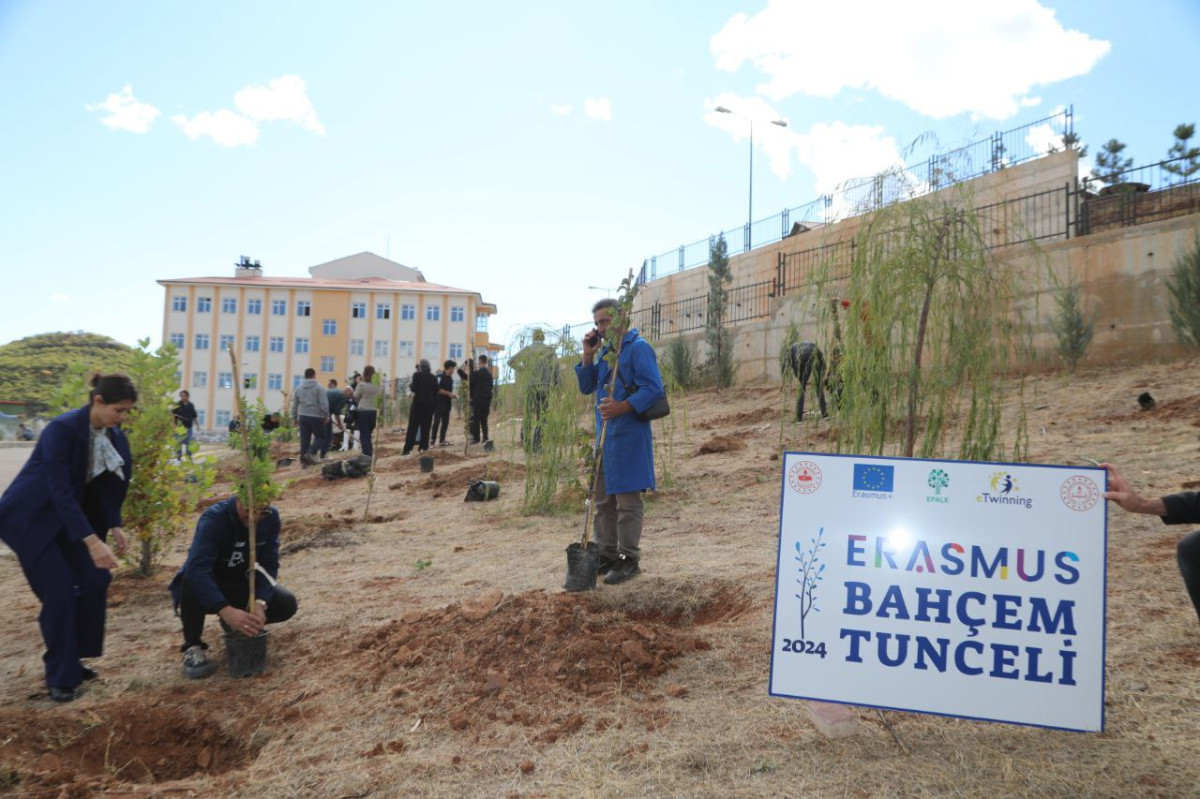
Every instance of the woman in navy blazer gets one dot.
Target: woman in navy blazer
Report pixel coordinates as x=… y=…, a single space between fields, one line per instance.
x=56 y=516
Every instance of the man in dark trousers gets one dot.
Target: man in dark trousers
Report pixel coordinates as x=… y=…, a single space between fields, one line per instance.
x=480 y=381
x=424 y=388
x=185 y=414
x=214 y=579
x=807 y=358
x=441 y=409
x=337 y=404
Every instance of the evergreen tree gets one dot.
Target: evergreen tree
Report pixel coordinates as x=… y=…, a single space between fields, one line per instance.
x=1109 y=163
x=1185 y=159
x=1184 y=288
x=715 y=333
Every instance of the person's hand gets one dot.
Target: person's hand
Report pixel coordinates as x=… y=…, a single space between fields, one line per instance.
x=1122 y=493
x=245 y=623
x=591 y=344
x=120 y=540
x=260 y=611
x=610 y=408
x=101 y=555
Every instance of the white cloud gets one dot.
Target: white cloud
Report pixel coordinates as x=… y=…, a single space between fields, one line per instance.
x=224 y=127
x=283 y=99
x=59 y=297
x=939 y=57
x=561 y=110
x=598 y=108
x=1041 y=138
x=125 y=112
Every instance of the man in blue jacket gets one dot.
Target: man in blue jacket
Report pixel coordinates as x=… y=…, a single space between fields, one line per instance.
x=214 y=580
x=626 y=467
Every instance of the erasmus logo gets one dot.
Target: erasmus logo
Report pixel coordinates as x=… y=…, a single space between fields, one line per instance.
x=1004 y=491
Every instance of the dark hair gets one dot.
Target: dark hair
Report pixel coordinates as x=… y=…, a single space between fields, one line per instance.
x=423 y=365
x=368 y=373
x=310 y=372
x=332 y=383
x=112 y=388
x=449 y=365
x=483 y=359
x=607 y=302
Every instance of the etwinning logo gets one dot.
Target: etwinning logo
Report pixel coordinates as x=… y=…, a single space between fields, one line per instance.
x=1004 y=491
x=938 y=479
x=873 y=481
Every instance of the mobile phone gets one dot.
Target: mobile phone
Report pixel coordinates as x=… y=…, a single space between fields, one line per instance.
x=592 y=339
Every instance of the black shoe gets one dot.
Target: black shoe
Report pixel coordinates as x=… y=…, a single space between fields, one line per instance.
x=606 y=564
x=624 y=569
x=63 y=694
x=89 y=673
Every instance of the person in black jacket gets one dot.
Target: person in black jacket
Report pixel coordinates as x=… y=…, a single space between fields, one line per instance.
x=424 y=388
x=57 y=515
x=185 y=414
x=441 y=409
x=214 y=579
x=1182 y=508
x=480 y=382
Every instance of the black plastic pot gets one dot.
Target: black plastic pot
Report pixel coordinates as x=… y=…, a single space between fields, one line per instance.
x=426 y=463
x=582 y=565
x=482 y=491
x=247 y=656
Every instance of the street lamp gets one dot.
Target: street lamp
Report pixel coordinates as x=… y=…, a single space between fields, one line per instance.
x=605 y=289
x=750 y=213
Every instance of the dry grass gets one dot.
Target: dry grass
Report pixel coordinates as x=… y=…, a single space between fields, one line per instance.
x=334 y=719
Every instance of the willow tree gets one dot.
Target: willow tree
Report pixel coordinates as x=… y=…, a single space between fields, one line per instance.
x=922 y=333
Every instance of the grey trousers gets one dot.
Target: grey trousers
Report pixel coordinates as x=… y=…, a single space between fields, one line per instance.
x=618 y=523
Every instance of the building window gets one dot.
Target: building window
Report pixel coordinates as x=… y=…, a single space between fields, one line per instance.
x=229 y=305
x=456 y=351
x=254 y=307
x=405 y=349
x=179 y=303
x=326 y=363
x=408 y=312
x=250 y=380
x=224 y=379
x=178 y=340
x=381 y=348
x=329 y=327
x=204 y=305
x=481 y=322
x=357 y=347
x=200 y=418
x=383 y=310
x=276 y=343
x=303 y=308
x=296 y=381
x=275 y=382
x=253 y=343
x=223 y=420
x=178 y=379
x=278 y=307
x=199 y=379
x=301 y=346
x=201 y=341
x=457 y=313
x=430 y=351
x=227 y=341
x=358 y=310
x=433 y=313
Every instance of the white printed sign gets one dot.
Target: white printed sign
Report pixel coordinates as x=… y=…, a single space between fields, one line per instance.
x=959 y=588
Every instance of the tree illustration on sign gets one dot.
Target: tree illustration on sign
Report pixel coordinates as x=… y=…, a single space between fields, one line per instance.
x=810 y=575
x=938 y=479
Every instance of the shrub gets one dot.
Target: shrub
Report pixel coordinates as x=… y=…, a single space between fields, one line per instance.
x=1184 y=288
x=1072 y=329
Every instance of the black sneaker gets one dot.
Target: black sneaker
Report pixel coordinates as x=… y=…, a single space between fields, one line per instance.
x=196 y=665
x=606 y=564
x=624 y=569
x=63 y=694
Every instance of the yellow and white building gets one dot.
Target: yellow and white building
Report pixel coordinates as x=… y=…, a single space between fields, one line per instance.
x=358 y=310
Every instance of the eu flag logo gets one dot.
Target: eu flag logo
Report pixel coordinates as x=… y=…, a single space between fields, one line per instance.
x=872 y=477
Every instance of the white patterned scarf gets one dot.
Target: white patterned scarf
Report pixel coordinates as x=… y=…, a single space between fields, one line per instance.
x=105 y=457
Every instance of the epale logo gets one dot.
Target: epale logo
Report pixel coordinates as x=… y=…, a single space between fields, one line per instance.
x=873 y=481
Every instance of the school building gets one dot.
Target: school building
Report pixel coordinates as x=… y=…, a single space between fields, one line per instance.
x=354 y=311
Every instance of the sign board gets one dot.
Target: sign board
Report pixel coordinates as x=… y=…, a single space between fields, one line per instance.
x=959 y=588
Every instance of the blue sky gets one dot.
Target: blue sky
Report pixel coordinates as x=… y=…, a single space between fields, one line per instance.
x=526 y=151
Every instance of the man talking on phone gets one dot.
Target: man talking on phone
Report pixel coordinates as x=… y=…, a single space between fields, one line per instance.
x=626 y=465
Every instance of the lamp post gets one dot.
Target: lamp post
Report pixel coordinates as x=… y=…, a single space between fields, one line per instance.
x=750 y=212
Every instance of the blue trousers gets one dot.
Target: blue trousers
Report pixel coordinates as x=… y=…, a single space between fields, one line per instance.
x=73 y=593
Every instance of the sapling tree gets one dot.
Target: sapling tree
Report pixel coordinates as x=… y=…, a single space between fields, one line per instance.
x=1072 y=328
x=926 y=333
x=1185 y=159
x=716 y=334
x=1110 y=165
x=1184 y=295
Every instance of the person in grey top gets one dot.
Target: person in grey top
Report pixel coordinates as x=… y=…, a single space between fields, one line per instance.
x=310 y=410
x=366 y=395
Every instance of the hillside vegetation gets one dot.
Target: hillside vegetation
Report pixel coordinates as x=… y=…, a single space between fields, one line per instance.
x=32 y=368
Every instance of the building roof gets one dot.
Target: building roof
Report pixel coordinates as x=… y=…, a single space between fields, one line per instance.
x=365 y=264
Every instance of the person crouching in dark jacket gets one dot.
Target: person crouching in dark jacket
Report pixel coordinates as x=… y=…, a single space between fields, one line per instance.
x=214 y=580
